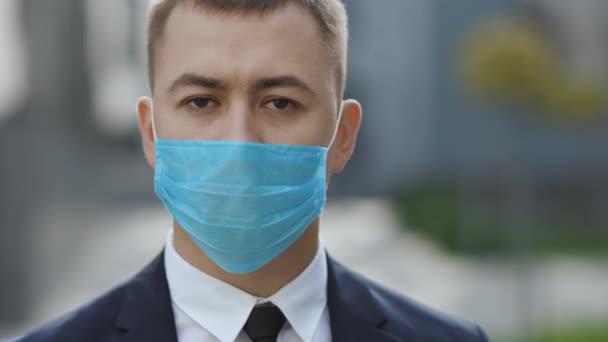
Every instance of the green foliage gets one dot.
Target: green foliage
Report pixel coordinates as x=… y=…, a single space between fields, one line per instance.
x=438 y=211
x=587 y=333
x=511 y=61
x=582 y=332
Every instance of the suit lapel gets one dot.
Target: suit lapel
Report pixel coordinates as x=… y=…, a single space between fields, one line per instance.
x=355 y=314
x=146 y=313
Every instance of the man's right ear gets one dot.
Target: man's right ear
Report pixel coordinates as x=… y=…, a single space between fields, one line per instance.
x=144 y=118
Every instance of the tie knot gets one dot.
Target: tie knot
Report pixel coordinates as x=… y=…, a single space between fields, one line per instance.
x=264 y=323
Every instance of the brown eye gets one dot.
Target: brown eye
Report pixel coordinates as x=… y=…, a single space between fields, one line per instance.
x=282 y=104
x=199 y=102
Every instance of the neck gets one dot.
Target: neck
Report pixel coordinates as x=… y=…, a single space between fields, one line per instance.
x=267 y=280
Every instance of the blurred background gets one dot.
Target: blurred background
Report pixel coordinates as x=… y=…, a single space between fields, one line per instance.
x=479 y=184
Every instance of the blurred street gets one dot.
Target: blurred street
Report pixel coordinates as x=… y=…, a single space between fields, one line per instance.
x=362 y=233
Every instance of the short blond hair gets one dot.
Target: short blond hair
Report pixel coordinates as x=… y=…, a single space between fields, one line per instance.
x=330 y=15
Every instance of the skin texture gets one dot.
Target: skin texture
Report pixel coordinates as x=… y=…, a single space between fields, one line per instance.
x=252 y=61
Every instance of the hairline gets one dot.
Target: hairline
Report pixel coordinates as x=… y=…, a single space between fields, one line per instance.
x=335 y=47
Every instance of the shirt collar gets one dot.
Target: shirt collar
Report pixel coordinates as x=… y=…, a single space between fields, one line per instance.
x=303 y=300
x=223 y=309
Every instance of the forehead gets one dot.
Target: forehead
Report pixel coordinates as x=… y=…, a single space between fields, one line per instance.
x=242 y=45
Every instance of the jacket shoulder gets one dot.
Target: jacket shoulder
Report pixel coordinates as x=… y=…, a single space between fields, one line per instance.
x=427 y=323
x=93 y=322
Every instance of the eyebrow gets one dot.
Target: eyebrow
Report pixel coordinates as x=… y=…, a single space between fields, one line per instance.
x=190 y=79
x=283 y=81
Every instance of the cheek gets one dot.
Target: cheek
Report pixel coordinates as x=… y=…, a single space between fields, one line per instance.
x=176 y=125
x=304 y=130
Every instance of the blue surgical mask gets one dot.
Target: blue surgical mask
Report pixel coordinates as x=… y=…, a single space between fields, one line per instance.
x=242 y=203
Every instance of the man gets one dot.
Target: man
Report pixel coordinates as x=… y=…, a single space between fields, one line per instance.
x=245 y=127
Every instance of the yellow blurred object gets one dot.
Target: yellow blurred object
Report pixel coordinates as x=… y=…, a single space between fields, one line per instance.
x=509 y=60
x=575 y=102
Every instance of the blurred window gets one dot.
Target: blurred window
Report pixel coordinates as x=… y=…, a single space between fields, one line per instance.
x=13 y=79
x=580 y=28
x=116 y=53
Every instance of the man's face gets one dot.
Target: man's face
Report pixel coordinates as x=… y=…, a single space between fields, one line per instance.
x=246 y=77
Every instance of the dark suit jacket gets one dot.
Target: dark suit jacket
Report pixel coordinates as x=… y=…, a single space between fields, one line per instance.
x=140 y=310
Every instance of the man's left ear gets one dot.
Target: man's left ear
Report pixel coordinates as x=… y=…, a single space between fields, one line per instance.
x=346 y=137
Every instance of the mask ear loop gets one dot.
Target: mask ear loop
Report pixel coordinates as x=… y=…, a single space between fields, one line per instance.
x=152 y=118
x=151 y=105
x=333 y=138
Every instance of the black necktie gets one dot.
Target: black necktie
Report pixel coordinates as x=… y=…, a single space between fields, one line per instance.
x=264 y=323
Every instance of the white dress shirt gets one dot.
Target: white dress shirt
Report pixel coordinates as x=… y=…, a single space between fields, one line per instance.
x=207 y=309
